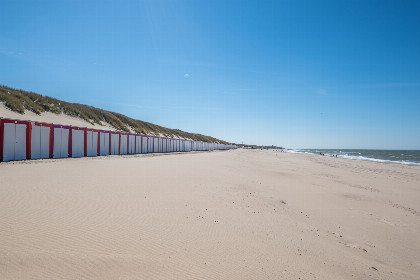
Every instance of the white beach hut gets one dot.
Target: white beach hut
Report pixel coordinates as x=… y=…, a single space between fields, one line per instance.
x=61 y=141
x=92 y=143
x=144 y=147
x=155 y=144
x=14 y=140
x=41 y=138
x=131 y=144
x=123 y=143
x=104 y=143
x=77 y=142
x=115 y=143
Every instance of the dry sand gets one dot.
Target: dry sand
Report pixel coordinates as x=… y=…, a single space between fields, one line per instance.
x=242 y=214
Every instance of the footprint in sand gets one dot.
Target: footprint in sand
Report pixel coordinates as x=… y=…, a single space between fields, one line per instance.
x=385 y=221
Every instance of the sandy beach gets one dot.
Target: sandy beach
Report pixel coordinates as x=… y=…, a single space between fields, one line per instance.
x=240 y=214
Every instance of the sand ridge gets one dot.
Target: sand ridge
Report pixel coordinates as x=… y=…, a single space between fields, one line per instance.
x=49 y=117
x=242 y=214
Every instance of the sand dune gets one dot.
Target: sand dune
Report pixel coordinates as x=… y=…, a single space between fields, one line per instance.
x=242 y=214
x=49 y=117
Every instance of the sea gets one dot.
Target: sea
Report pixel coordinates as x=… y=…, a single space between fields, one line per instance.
x=411 y=157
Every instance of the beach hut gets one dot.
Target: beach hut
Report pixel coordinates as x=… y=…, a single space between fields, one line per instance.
x=77 y=146
x=104 y=143
x=160 y=144
x=92 y=143
x=138 y=144
x=155 y=144
x=165 y=145
x=143 y=144
x=149 y=144
x=114 y=148
x=14 y=140
x=131 y=144
x=61 y=141
x=123 y=143
x=41 y=139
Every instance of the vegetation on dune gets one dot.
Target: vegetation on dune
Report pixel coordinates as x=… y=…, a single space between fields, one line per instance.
x=19 y=101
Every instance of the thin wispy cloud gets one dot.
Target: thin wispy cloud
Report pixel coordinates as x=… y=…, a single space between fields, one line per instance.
x=9 y=53
x=321 y=92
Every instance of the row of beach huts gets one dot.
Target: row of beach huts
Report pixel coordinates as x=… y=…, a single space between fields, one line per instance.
x=20 y=140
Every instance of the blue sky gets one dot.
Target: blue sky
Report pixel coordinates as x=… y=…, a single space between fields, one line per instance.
x=298 y=74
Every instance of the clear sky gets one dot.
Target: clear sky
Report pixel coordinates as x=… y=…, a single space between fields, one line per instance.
x=298 y=74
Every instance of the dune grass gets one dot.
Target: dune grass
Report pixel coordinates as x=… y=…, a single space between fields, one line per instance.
x=20 y=100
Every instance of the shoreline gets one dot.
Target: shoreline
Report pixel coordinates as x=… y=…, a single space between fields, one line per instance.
x=362 y=158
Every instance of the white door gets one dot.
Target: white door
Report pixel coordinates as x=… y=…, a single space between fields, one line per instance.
x=14 y=145
x=150 y=144
x=9 y=141
x=144 y=141
x=131 y=144
x=156 y=145
x=45 y=141
x=138 y=144
x=57 y=143
x=61 y=143
x=20 y=144
x=40 y=142
x=94 y=144
x=36 y=142
x=159 y=145
x=64 y=142
x=104 y=144
x=123 y=149
x=89 y=143
x=115 y=144
x=78 y=145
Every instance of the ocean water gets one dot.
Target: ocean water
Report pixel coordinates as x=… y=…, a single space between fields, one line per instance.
x=411 y=157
